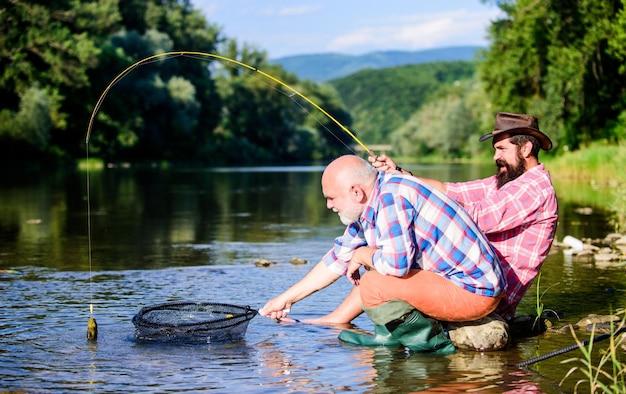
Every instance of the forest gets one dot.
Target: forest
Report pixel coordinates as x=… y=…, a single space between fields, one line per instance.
x=563 y=61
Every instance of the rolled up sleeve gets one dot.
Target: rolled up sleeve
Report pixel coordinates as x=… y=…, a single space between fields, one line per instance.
x=338 y=257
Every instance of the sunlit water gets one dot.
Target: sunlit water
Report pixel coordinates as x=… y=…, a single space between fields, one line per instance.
x=175 y=235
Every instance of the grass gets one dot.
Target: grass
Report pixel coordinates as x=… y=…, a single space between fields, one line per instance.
x=598 y=162
x=92 y=164
x=539 y=306
x=608 y=374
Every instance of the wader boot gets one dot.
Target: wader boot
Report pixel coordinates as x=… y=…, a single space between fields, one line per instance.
x=407 y=327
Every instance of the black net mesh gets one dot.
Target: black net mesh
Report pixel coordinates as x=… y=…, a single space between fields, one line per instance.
x=192 y=322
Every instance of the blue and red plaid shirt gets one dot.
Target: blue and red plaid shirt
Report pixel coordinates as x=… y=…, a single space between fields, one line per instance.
x=414 y=226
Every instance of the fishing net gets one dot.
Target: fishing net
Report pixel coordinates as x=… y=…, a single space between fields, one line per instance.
x=192 y=322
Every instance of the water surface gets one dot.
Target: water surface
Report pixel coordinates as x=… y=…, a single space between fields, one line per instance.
x=171 y=235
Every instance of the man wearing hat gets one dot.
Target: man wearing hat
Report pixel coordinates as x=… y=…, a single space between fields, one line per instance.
x=516 y=209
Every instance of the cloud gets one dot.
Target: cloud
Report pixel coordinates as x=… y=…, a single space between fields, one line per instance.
x=419 y=31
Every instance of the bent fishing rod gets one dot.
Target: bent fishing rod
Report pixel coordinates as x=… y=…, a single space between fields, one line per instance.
x=92 y=330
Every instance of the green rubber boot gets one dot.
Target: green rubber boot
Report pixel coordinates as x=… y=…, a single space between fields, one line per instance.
x=381 y=337
x=421 y=334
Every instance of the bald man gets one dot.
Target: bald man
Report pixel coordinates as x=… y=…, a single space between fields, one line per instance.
x=423 y=254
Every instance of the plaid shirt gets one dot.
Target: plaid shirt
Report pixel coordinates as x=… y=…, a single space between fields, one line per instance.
x=416 y=227
x=519 y=219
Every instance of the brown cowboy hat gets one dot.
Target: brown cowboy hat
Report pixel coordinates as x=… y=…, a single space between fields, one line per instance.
x=514 y=124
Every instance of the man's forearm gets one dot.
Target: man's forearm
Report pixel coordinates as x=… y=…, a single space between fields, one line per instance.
x=318 y=278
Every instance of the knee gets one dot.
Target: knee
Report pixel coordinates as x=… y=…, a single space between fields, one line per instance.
x=368 y=287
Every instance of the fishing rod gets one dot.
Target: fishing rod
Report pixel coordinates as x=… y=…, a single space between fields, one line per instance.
x=92 y=327
x=207 y=55
x=569 y=348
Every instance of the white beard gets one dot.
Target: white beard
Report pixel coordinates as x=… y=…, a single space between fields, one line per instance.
x=351 y=216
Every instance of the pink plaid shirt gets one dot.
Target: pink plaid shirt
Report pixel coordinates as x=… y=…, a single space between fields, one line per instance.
x=519 y=219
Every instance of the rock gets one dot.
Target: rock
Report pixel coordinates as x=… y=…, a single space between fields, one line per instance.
x=487 y=334
x=612 y=237
x=298 y=261
x=590 y=247
x=566 y=329
x=573 y=243
x=263 y=263
x=621 y=241
x=584 y=210
x=586 y=256
x=605 y=257
x=596 y=319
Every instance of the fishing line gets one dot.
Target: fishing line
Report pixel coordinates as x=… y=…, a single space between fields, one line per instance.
x=294 y=94
x=291 y=96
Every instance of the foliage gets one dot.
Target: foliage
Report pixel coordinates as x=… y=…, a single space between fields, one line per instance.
x=608 y=375
x=562 y=61
x=448 y=126
x=57 y=57
x=380 y=101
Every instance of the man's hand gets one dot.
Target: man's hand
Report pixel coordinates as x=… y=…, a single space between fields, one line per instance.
x=276 y=308
x=383 y=163
x=363 y=256
x=353 y=274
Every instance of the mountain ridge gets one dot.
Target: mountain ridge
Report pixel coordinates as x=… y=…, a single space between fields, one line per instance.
x=322 y=67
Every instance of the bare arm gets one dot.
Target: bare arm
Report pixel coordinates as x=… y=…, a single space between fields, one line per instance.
x=385 y=164
x=318 y=278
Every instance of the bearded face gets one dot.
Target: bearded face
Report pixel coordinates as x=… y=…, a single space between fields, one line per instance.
x=508 y=171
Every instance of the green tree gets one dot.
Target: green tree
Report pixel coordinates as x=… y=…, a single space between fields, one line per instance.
x=561 y=60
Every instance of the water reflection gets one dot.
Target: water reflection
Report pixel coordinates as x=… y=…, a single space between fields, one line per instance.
x=192 y=235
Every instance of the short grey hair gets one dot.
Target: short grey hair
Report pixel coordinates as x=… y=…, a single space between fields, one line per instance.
x=363 y=172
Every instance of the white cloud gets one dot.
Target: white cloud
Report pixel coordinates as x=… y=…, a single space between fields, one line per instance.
x=420 y=31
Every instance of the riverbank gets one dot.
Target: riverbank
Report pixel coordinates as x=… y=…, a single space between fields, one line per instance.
x=599 y=162
x=599 y=165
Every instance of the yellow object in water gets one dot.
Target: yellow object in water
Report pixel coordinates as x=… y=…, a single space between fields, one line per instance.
x=230 y=316
x=92 y=329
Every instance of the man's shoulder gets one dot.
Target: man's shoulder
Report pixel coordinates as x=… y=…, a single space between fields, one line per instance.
x=539 y=177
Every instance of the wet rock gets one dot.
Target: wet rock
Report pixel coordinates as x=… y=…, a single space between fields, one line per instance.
x=612 y=237
x=566 y=329
x=621 y=240
x=584 y=210
x=487 y=334
x=264 y=263
x=606 y=257
x=590 y=247
x=298 y=261
x=586 y=256
x=601 y=328
x=592 y=319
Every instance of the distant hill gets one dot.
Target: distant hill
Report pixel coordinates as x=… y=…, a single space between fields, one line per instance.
x=326 y=66
x=382 y=100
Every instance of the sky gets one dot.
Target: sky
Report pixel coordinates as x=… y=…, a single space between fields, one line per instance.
x=295 y=27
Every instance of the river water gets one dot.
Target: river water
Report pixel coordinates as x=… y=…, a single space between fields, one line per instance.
x=175 y=234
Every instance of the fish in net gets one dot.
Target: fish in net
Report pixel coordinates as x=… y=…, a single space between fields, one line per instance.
x=192 y=322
